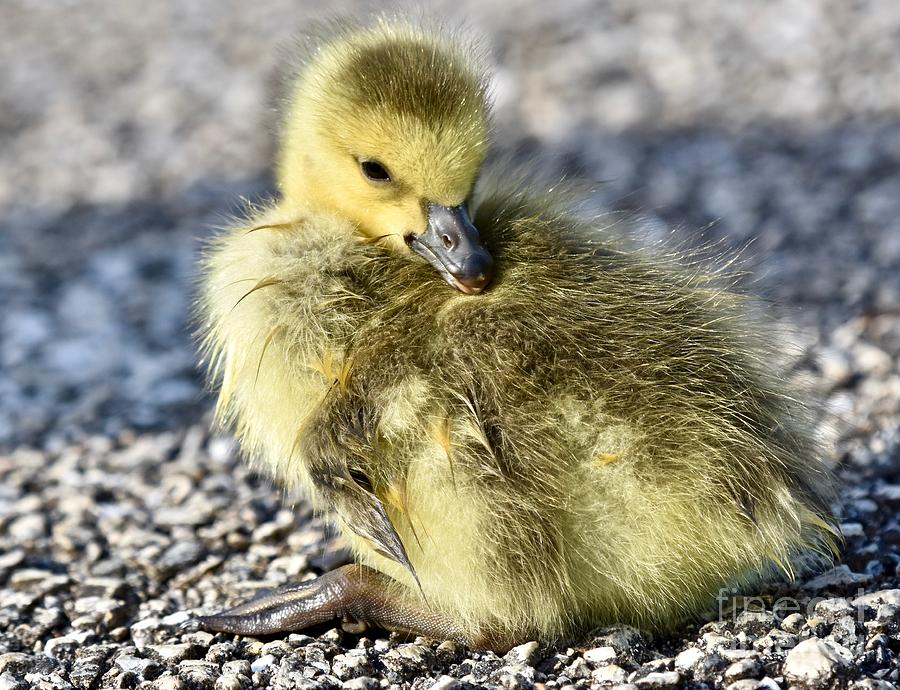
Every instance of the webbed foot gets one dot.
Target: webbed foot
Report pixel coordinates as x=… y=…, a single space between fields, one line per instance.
x=353 y=594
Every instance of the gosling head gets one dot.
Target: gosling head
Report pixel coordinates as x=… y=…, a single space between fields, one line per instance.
x=386 y=126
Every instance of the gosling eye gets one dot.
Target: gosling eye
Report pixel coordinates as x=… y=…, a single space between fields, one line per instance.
x=374 y=171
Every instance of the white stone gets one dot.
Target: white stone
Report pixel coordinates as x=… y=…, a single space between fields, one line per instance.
x=228 y=682
x=262 y=663
x=660 y=679
x=523 y=654
x=445 y=683
x=609 y=675
x=578 y=669
x=746 y=668
x=744 y=684
x=716 y=643
x=68 y=642
x=885 y=596
x=176 y=618
x=600 y=655
x=814 y=661
x=852 y=529
x=689 y=658
x=8 y=681
x=872 y=360
x=362 y=683
x=793 y=623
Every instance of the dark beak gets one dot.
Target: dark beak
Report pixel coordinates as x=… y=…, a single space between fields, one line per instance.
x=451 y=244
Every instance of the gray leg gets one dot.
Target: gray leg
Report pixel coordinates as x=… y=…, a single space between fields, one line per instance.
x=352 y=593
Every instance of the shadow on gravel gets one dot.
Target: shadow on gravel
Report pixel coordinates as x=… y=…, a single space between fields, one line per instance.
x=97 y=299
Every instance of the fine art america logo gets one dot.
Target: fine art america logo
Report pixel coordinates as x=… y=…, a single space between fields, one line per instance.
x=731 y=605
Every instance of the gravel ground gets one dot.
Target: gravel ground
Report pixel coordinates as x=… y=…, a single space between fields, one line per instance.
x=126 y=135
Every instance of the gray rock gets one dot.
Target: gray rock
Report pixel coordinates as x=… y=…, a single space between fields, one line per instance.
x=887 y=613
x=405 y=659
x=445 y=683
x=9 y=682
x=66 y=645
x=196 y=672
x=686 y=660
x=755 y=622
x=85 y=673
x=815 y=662
x=17 y=663
x=873 y=684
x=237 y=667
x=746 y=668
x=884 y=596
x=105 y=587
x=147 y=631
x=852 y=529
x=228 y=681
x=353 y=664
x=835 y=366
x=169 y=682
x=362 y=683
x=832 y=609
x=174 y=653
x=219 y=653
x=277 y=648
x=660 y=679
x=793 y=623
x=175 y=619
x=447 y=650
x=609 y=675
x=714 y=642
x=698 y=663
x=10 y=560
x=28 y=528
x=844 y=632
x=523 y=654
x=775 y=641
x=180 y=556
x=577 y=670
x=144 y=668
x=263 y=663
x=621 y=638
x=745 y=684
x=730 y=655
x=600 y=655
x=516 y=681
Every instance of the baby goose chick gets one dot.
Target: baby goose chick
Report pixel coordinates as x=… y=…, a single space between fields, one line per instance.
x=523 y=428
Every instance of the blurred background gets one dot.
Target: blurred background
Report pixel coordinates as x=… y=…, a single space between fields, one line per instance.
x=129 y=131
x=127 y=134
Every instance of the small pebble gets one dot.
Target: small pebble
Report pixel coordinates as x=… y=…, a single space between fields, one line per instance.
x=445 y=683
x=262 y=664
x=814 y=662
x=660 y=680
x=523 y=654
x=793 y=623
x=610 y=674
x=229 y=682
x=746 y=668
x=600 y=655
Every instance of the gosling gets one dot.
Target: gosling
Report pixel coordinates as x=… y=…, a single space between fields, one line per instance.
x=524 y=427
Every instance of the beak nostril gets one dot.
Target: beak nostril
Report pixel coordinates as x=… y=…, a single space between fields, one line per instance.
x=448 y=243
